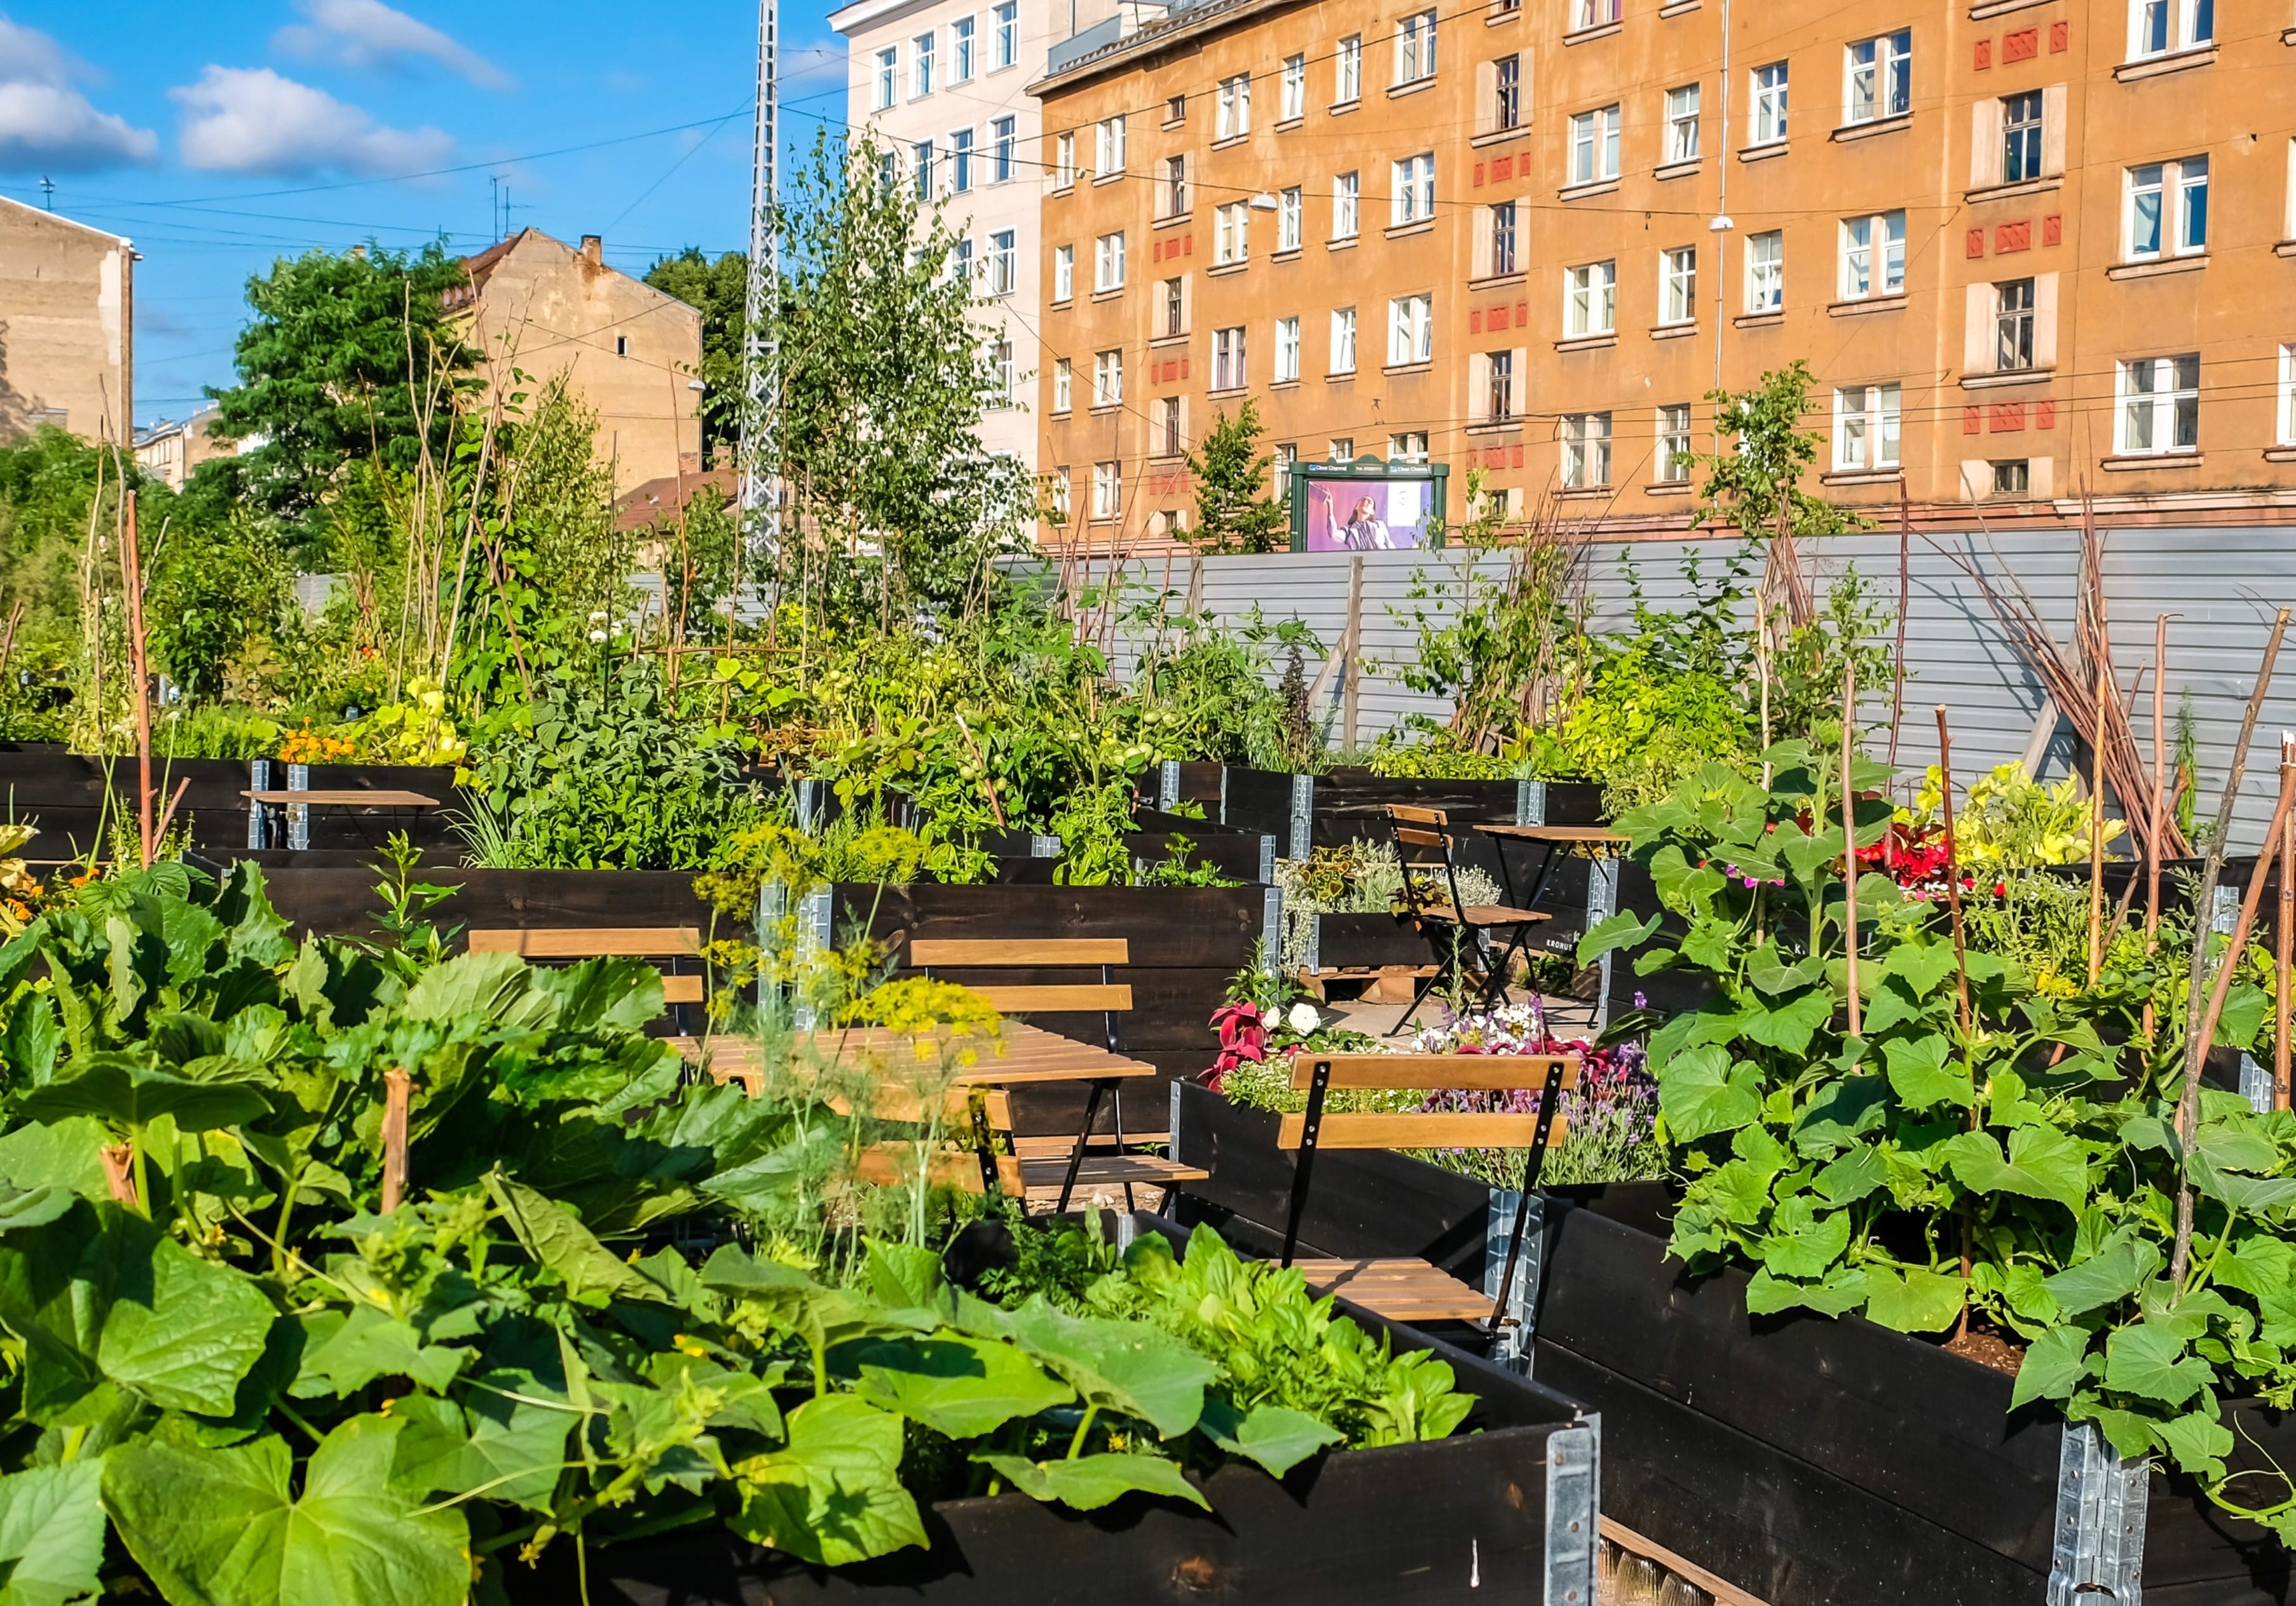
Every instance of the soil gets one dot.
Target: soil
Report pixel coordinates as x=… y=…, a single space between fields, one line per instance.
x=1988 y=1347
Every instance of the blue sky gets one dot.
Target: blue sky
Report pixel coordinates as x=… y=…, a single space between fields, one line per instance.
x=221 y=136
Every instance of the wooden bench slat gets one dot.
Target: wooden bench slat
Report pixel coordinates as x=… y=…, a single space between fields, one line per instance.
x=619 y=941
x=1105 y=1169
x=1499 y=1072
x=1020 y=950
x=1082 y=997
x=681 y=989
x=1436 y=1130
x=892 y=1165
x=1406 y=1291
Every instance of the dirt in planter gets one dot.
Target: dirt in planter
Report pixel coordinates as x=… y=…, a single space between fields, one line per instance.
x=1988 y=1347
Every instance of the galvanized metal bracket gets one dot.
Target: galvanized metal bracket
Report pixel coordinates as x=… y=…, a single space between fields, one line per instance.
x=2098 y=1557
x=1271 y=931
x=1303 y=812
x=808 y=804
x=1530 y=802
x=1518 y=1327
x=1267 y=858
x=1574 y=1512
x=258 y=779
x=1602 y=903
x=1172 y=1143
x=298 y=815
x=2255 y=1085
x=1044 y=846
x=1314 y=958
x=814 y=914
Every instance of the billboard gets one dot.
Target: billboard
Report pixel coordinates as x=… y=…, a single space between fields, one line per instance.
x=1367 y=505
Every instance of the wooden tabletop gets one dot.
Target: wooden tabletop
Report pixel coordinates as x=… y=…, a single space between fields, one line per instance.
x=350 y=797
x=1031 y=1055
x=1592 y=835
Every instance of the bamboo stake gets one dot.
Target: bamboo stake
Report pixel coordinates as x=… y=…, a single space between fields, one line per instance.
x=398 y=1093
x=2284 y=943
x=1849 y=847
x=131 y=575
x=1952 y=867
x=118 y=1160
x=2249 y=903
x=2096 y=829
x=1904 y=588
x=2160 y=801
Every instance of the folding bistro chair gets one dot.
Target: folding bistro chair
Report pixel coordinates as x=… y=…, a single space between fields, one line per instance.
x=1411 y=1290
x=1454 y=925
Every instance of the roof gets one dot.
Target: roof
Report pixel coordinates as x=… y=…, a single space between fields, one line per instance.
x=652 y=502
x=480 y=266
x=45 y=216
x=1185 y=22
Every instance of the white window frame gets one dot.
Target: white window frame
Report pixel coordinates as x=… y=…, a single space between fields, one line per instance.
x=888 y=77
x=1415 y=47
x=1500 y=396
x=1868 y=428
x=963 y=60
x=1412 y=190
x=1107 y=491
x=1673 y=463
x=1108 y=262
x=2286 y=432
x=1595 y=145
x=1008 y=34
x=921 y=64
x=1346 y=71
x=1873 y=250
x=1290 y=214
x=1232 y=233
x=1590 y=300
x=1766 y=271
x=1063 y=385
x=2163 y=27
x=1683 y=124
x=1108 y=146
x=1347 y=210
x=1339 y=448
x=1005 y=133
x=1065 y=168
x=1593 y=13
x=1229 y=353
x=1063 y=486
x=1287 y=350
x=1678 y=285
x=1292 y=102
x=1000 y=359
x=921 y=167
x=1232 y=108
x=1877 y=79
x=1003 y=262
x=1505 y=229
x=2179 y=192
x=1063 y=273
x=1108 y=378
x=960 y=160
x=1343 y=341
x=1586 y=451
x=1408 y=446
x=2151 y=401
x=1766 y=104
x=1410 y=329
x=2031 y=137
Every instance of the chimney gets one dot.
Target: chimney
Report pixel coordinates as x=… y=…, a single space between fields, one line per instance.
x=594 y=249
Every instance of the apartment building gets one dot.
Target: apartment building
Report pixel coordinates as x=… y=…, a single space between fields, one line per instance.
x=2027 y=248
x=67 y=326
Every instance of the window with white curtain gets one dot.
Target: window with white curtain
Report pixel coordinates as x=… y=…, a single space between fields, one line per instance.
x=1343 y=341
x=1865 y=427
x=1767 y=116
x=1410 y=330
x=2159 y=409
x=1590 y=300
x=2168 y=208
x=1678 y=285
x=1346 y=192
x=1287 y=350
x=1595 y=145
x=1586 y=450
x=1413 y=192
x=1766 y=271
x=1415 y=47
x=1879 y=79
x=1873 y=256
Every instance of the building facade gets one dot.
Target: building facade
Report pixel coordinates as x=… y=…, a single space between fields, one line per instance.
x=536 y=306
x=172 y=450
x=67 y=326
x=2028 y=249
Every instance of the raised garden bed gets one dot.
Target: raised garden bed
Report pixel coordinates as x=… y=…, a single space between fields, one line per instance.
x=1815 y=1462
x=1335 y=808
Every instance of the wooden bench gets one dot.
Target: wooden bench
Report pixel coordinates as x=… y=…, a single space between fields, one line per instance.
x=1404 y=1289
x=674 y=944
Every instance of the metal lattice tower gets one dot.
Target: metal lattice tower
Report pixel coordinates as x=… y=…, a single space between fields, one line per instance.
x=761 y=378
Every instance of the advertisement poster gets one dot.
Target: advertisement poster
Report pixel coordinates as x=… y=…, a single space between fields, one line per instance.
x=1367 y=516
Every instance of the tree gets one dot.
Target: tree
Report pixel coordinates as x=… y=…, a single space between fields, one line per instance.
x=213 y=590
x=720 y=292
x=1232 y=516
x=1757 y=475
x=347 y=357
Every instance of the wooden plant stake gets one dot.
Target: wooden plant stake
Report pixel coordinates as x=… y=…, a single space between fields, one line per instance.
x=2096 y=825
x=397 y=1092
x=131 y=568
x=119 y=1160
x=2283 y=943
x=1850 y=848
x=2161 y=802
x=2274 y=835
x=1952 y=868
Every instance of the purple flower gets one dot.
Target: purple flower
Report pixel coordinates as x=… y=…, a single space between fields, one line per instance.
x=1641 y=1002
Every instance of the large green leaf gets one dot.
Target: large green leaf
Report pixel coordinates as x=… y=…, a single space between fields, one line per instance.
x=1851 y=1175
x=1840 y=1113
x=1790 y=1025
x=2120 y=1266
x=833 y=1495
x=1922 y=965
x=1700 y=1094
x=347 y=1351
x=1800 y=1245
x=222 y=1527
x=556 y=1238
x=1125 y=1366
x=2052 y=1367
x=2198 y=1440
x=127 y=1094
x=180 y=1330
x=963 y=1386
x=34 y=1208
x=2042 y=1162
x=1625 y=929
x=1844 y=1291
x=2147 y=1360
x=1276 y=1437
x=1089 y=1482
x=51 y=1533
x=1918 y=1301
x=1921 y=1075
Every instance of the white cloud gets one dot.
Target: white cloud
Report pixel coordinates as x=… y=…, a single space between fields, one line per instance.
x=48 y=127
x=368 y=33
x=240 y=119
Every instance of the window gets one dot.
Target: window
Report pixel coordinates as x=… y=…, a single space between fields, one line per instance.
x=1175 y=306
x=888 y=170
x=1108 y=262
x=1227 y=358
x=1287 y=453
x=1502 y=257
x=1064 y=171
x=1498 y=399
x=1766 y=272
x=1879 y=78
x=1343 y=341
x=1506 y=93
x=1345 y=191
x=920 y=65
x=889 y=64
x=1412 y=195
x=1287 y=350
x=1107 y=490
x=1865 y=422
x=2160 y=406
x=1347 y=71
x=1873 y=256
x=2013 y=478
x=1063 y=272
x=1000 y=362
x=1003 y=263
x=1678 y=285
x=1231 y=233
x=1232 y=108
x=1108 y=146
x=1415 y=48
x=1342 y=449
x=2169 y=208
x=2013 y=325
x=2020 y=138
x=1673 y=468
x=1593 y=13
x=960 y=160
x=1063 y=385
x=1289 y=211
x=1682 y=124
x=1410 y=330
x=1170 y=443
x=621 y=345
x=1008 y=33
x=1175 y=186
x=921 y=167
x=1294 y=101
x=1061 y=485
x=1000 y=151
x=1176 y=523
x=1590 y=300
x=2286 y=434
x=1586 y=450
x=960 y=39
x=1410 y=446
x=960 y=262
x=1595 y=145
x=2158 y=27
x=1107 y=378
x=1766 y=122
x=1175 y=111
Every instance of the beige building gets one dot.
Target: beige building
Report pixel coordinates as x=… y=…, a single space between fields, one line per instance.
x=2026 y=247
x=537 y=306
x=172 y=450
x=67 y=326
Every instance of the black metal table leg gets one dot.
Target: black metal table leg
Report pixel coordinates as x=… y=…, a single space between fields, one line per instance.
x=1100 y=1084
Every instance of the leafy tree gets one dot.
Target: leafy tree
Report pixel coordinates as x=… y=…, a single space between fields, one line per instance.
x=49 y=484
x=718 y=291
x=1756 y=477
x=347 y=357
x=561 y=504
x=213 y=590
x=1230 y=470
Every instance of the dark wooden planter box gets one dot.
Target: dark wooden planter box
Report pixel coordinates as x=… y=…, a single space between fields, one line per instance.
x=1347 y=804
x=1462 y=1520
x=1361 y=942
x=338 y=901
x=1816 y=1463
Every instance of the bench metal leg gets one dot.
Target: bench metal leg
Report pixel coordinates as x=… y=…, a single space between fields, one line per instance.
x=1550 y=1102
x=1076 y=1156
x=1310 y=1129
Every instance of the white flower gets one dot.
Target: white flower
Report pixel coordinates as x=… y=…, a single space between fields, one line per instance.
x=597 y=615
x=597 y=635
x=1304 y=1017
